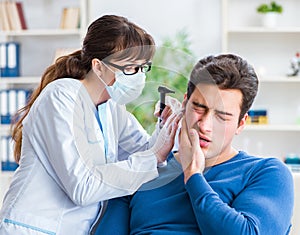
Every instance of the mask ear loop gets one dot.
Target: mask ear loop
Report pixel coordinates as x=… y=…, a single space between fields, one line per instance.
x=107 y=67
x=109 y=70
x=99 y=77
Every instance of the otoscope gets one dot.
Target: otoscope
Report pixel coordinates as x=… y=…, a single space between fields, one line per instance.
x=163 y=91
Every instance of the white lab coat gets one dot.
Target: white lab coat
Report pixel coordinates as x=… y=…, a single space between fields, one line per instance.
x=64 y=173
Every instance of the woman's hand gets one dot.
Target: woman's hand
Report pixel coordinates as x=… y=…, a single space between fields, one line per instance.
x=191 y=156
x=165 y=139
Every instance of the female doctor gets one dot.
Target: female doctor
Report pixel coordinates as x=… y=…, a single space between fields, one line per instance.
x=70 y=157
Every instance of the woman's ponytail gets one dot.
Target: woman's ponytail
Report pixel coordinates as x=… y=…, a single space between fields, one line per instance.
x=68 y=66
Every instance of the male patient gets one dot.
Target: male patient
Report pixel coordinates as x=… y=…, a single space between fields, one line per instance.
x=208 y=187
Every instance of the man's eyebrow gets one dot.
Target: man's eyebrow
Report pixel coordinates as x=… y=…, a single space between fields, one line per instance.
x=223 y=112
x=205 y=107
x=199 y=105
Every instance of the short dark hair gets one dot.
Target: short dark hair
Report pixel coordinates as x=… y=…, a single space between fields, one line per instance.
x=227 y=71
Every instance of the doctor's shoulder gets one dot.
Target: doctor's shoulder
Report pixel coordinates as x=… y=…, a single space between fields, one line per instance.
x=69 y=85
x=59 y=91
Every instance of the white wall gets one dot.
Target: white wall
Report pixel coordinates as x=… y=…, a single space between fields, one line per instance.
x=163 y=18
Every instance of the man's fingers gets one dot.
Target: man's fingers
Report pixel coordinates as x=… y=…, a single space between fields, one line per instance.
x=184 y=137
x=194 y=138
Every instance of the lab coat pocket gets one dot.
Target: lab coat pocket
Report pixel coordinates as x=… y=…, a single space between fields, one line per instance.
x=94 y=135
x=93 y=151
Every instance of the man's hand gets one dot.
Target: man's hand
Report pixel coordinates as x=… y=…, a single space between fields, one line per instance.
x=191 y=156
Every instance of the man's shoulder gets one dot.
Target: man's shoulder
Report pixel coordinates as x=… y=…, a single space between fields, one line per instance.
x=259 y=159
x=265 y=165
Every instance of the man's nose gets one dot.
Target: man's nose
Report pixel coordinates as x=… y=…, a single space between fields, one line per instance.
x=205 y=122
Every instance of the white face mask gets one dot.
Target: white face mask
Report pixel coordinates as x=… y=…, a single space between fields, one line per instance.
x=126 y=88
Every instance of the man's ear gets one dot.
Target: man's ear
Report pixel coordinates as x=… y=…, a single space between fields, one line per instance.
x=242 y=124
x=184 y=101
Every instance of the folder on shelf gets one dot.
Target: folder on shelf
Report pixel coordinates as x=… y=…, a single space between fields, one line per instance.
x=3 y=60
x=18 y=102
x=21 y=15
x=4 y=22
x=10 y=59
x=4 y=114
x=13 y=59
x=3 y=149
x=12 y=16
x=11 y=101
x=7 y=157
x=70 y=18
x=21 y=98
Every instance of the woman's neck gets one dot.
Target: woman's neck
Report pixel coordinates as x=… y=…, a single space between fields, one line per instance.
x=95 y=88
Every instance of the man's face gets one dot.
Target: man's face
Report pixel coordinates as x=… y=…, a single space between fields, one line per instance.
x=214 y=113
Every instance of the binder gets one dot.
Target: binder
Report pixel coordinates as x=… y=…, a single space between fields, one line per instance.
x=21 y=14
x=70 y=18
x=4 y=114
x=11 y=100
x=7 y=160
x=10 y=59
x=12 y=103
x=5 y=24
x=3 y=149
x=13 y=16
x=13 y=59
x=11 y=164
x=21 y=98
x=3 y=60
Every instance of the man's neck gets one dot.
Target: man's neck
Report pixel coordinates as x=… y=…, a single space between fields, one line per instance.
x=223 y=157
x=209 y=162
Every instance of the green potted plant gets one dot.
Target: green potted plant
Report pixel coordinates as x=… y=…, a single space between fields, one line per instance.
x=270 y=13
x=272 y=7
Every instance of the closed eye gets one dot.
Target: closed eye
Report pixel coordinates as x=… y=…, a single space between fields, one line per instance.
x=199 y=110
x=224 y=116
x=221 y=117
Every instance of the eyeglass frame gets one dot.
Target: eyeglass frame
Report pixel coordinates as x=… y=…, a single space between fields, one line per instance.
x=136 y=67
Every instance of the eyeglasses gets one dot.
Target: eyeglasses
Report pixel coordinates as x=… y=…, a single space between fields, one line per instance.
x=131 y=69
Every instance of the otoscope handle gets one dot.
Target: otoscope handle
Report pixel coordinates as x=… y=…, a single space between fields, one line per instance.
x=162 y=104
x=163 y=91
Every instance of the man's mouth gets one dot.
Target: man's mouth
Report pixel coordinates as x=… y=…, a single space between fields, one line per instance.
x=204 y=142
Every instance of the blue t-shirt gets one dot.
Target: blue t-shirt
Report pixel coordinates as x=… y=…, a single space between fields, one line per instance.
x=244 y=195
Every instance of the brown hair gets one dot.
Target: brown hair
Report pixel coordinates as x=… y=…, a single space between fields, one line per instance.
x=108 y=36
x=227 y=71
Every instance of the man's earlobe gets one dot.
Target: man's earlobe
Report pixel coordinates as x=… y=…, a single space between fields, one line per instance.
x=184 y=101
x=242 y=124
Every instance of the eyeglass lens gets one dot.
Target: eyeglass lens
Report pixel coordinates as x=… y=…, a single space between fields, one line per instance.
x=132 y=69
